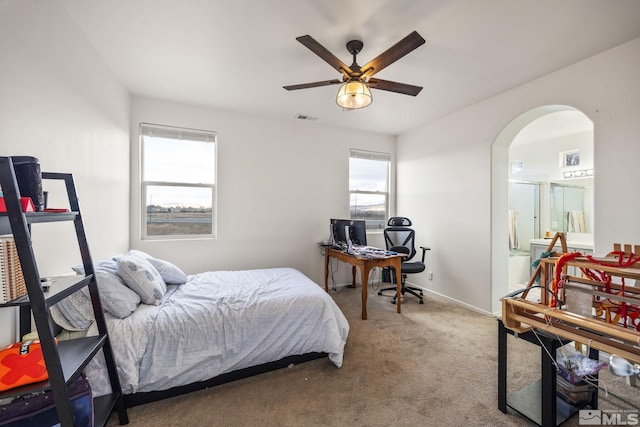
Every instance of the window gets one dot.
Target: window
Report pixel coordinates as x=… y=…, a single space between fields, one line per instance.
x=369 y=187
x=178 y=177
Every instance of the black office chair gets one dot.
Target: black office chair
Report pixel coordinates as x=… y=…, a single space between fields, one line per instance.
x=398 y=237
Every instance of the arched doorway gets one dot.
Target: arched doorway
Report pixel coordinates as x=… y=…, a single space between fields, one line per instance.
x=503 y=175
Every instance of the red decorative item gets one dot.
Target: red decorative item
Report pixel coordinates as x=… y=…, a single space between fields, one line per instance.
x=27 y=204
x=21 y=363
x=557 y=285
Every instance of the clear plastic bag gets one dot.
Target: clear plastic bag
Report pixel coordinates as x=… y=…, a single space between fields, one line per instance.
x=574 y=366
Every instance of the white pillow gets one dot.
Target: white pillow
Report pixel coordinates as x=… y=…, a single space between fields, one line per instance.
x=142 y=277
x=137 y=253
x=109 y=264
x=171 y=274
x=74 y=313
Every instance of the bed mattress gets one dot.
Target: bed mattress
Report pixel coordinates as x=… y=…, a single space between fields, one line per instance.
x=220 y=322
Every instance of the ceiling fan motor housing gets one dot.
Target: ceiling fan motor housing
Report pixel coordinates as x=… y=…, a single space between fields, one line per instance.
x=354 y=46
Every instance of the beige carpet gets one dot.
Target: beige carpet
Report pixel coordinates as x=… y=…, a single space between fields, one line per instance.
x=433 y=365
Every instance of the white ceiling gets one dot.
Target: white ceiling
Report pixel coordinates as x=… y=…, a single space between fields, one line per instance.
x=236 y=55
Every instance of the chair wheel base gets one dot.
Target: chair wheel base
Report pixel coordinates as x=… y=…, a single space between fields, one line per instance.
x=413 y=291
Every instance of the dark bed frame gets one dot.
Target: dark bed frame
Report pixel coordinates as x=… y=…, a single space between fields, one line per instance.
x=136 y=399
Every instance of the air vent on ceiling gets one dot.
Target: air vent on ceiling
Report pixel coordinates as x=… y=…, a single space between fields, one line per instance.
x=305 y=117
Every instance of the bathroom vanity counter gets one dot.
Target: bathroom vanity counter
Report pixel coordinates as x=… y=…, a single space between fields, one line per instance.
x=538 y=246
x=572 y=246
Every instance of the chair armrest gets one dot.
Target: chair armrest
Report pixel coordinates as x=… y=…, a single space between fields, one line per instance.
x=424 y=251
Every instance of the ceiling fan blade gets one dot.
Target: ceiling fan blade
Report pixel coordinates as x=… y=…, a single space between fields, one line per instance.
x=395 y=52
x=323 y=53
x=402 y=88
x=314 y=84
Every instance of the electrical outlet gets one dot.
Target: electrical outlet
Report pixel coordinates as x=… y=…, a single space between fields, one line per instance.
x=431 y=275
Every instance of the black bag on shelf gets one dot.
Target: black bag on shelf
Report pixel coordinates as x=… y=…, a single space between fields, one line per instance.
x=40 y=410
x=29 y=179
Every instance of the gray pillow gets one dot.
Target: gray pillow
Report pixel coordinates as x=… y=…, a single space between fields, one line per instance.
x=117 y=299
x=142 y=277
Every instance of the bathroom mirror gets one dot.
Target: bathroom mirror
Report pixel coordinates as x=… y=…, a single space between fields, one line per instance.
x=570 y=211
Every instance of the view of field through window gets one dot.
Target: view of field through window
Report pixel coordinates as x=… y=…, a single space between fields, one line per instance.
x=174 y=218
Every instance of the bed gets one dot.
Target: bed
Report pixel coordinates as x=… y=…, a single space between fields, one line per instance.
x=189 y=332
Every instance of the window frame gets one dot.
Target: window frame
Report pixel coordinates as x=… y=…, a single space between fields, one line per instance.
x=375 y=156
x=176 y=133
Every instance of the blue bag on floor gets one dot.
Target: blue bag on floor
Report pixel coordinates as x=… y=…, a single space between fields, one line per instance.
x=39 y=409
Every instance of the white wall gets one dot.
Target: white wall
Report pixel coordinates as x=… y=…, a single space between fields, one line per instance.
x=279 y=183
x=61 y=104
x=445 y=170
x=542 y=157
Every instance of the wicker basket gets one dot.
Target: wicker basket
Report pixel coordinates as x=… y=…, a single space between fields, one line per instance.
x=12 y=285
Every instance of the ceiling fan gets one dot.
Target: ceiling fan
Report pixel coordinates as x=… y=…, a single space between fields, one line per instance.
x=356 y=80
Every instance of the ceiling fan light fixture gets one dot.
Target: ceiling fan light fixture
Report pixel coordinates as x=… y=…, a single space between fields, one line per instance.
x=354 y=94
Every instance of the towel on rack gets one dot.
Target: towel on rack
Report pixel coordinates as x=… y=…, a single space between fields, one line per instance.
x=575 y=222
x=513 y=230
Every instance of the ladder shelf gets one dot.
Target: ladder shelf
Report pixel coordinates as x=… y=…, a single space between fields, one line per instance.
x=66 y=359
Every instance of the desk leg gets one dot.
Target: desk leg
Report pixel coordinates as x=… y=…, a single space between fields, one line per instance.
x=397 y=268
x=353 y=276
x=364 y=273
x=502 y=367
x=326 y=269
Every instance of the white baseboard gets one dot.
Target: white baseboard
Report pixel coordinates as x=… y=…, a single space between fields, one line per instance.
x=428 y=291
x=464 y=304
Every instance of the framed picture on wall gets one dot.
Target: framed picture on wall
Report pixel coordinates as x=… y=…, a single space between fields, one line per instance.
x=570 y=159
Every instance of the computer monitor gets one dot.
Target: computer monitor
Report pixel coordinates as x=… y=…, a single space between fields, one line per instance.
x=357 y=231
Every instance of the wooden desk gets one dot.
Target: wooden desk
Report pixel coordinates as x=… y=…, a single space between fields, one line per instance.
x=365 y=265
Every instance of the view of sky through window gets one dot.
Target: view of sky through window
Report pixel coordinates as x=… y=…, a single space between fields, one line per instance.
x=367 y=175
x=369 y=188
x=182 y=161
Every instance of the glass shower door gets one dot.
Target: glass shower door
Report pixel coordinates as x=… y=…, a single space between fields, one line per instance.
x=524 y=225
x=524 y=207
